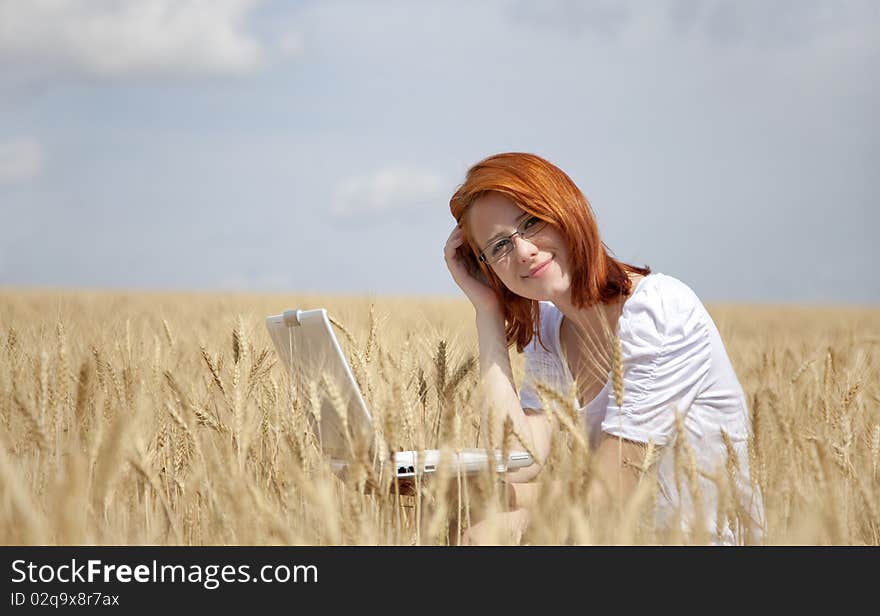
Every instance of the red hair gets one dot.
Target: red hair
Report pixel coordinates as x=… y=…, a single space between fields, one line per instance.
x=543 y=190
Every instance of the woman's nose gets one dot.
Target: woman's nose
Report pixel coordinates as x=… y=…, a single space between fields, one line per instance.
x=523 y=247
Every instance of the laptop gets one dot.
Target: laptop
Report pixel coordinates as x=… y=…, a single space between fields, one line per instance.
x=311 y=354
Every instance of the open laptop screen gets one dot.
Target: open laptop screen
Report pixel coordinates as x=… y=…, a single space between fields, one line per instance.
x=320 y=375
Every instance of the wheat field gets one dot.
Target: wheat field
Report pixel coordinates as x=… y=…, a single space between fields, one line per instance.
x=164 y=419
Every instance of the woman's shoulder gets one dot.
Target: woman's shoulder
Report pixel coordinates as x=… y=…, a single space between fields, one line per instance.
x=660 y=306
x=663 y=293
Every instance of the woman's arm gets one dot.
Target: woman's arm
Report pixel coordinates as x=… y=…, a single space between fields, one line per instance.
x=616 y=464
x=498 y=389
x=499 y=398
x=614 y=482
x=616 y=467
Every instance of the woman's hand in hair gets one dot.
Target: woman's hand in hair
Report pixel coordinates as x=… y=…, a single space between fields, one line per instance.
x=467 y=275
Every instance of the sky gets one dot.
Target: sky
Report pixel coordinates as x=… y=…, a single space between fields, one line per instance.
x=313 y=146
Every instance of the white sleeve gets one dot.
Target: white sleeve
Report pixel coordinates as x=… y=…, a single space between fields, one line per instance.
x=667 y=355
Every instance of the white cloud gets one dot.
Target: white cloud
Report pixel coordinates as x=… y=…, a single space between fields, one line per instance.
x=113 y=38
x=20 y=160
x=395 y=189
x=781 y=24
x=291 y=43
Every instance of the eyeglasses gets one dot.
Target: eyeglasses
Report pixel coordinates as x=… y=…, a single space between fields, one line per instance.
x=503 y=246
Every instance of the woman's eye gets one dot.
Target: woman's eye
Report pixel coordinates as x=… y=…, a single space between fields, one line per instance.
x=499 y=246
x=531 y=221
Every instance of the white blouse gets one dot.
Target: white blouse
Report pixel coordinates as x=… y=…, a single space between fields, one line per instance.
x=674 y=360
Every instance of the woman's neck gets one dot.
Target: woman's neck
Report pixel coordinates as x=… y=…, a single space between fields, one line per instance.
x=595 y=319
x=590 y=319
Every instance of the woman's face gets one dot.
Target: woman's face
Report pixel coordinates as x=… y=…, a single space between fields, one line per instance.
x=536 y=268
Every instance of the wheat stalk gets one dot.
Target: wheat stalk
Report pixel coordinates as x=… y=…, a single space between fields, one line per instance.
x=31 y=526
x=83 y=392
x=44 y=387
x=149 y=478
x=34 y=421
x=371 y=338
x=168 y=335
x=801 y=369
x=826 y=388
x=11 y=342
x=686 y=457
x=618 y=373
x=556 y=404
x=64 y=377
x=596 y=355
x=214 y=366
x=652 y=454
x=875 y=450
x=850 y=395
x=179 y=421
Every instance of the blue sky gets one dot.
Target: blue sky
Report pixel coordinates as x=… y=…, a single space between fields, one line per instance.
x=313 y=146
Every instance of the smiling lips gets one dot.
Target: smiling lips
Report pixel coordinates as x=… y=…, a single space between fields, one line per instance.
x=539 y=270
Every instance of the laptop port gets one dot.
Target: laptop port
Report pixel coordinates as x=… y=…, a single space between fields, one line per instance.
x=401 y=469
x=410 y=470
x=429 y=468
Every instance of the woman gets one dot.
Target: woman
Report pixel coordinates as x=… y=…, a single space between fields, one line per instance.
x=527 y=253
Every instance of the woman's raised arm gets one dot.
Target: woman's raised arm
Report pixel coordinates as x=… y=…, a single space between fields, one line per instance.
x=498 y=391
